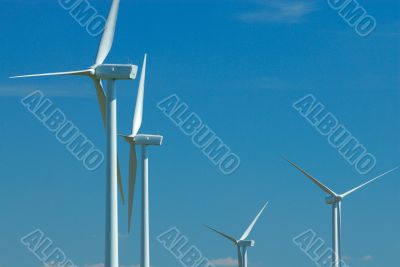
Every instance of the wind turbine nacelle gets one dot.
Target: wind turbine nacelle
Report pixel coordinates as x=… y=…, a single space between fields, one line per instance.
x=247 y=243
x=148 y=140
x=332 y=200
x=116 y=72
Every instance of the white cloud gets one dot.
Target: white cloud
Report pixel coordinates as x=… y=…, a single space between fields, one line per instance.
x=367 y=258
x=224 y=262
x=280 y=11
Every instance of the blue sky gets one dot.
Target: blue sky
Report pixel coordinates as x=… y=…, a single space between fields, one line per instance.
x=240 y=65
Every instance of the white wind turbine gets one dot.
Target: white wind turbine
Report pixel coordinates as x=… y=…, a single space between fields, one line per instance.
x=335 y=200
x=242 y=244
x=108 y=108
x=143 y=140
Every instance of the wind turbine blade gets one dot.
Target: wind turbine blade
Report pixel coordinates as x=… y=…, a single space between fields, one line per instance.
x=101 y=99
x=251 y=226
x=65 y=73
x=137 y=119
x=108 y=34
x=132 y=182
x=320 y=185
x=370 y=181
x=222 y=234
x=120 y=186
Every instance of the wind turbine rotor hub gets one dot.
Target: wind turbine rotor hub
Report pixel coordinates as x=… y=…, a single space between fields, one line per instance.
x=330 y=200
x=129 y=139
x=116 y=72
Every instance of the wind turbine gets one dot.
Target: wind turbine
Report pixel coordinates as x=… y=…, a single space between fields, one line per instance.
x=144 y=140
x=242 y=244
x=108 y=109
x=335 y=200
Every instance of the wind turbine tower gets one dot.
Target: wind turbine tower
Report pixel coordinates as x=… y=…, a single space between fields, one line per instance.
x=143 y=140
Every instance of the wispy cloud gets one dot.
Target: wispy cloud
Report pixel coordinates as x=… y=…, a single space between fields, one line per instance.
x=102 y=265
x=367 y=258
x=279 y=11
x=224 y=262
x=56 y=91
x=95 y=265
x=347 y=258
x=123 y=236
